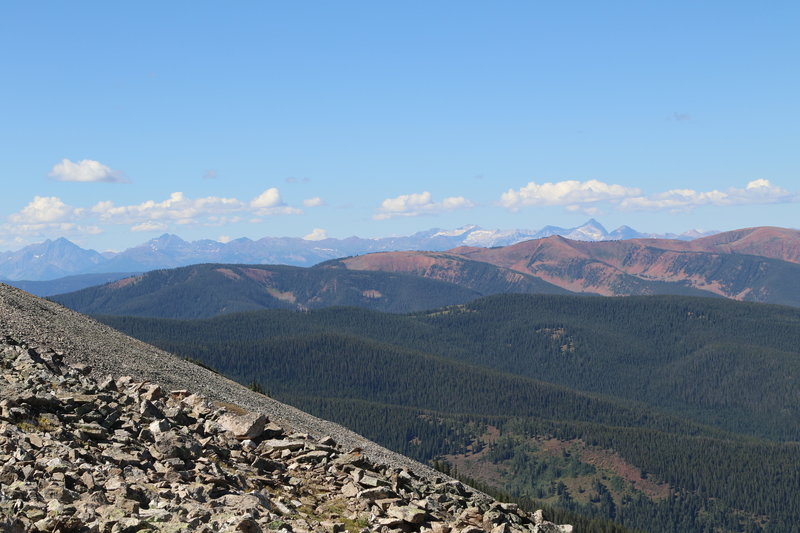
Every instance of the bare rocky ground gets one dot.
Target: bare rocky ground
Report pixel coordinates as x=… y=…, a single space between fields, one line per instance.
x=100 y=432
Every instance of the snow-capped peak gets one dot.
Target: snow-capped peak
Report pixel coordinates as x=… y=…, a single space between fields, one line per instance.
x=456 y=232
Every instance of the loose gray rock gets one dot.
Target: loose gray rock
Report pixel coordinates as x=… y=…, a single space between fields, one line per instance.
x=247 y=426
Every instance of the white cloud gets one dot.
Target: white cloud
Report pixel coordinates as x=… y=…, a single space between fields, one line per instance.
x=28 y=232
x=177 y=207
x=269 y=202
x=269 y=198
x=588 y=196
x=182 y=209
x=224 y=239
x=317 y=234
x=48 y=215
x=149 y=226
x=313 y=202
x=409 y=205
x=758 y=191
x=566 y=193
x=85 y=170
x=45 y=209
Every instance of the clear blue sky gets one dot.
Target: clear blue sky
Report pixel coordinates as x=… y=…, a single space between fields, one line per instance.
x=381 y=118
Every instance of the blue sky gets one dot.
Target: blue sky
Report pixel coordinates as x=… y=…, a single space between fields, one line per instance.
x=122 y=121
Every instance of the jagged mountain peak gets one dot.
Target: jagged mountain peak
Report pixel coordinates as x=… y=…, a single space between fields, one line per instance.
x=166 y=240
x=592 y=230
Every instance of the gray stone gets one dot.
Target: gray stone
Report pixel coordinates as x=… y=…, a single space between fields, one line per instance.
x=247 y=426
x=407 y=513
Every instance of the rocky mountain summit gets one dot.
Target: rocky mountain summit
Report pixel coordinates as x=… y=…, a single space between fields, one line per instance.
x=84 y=449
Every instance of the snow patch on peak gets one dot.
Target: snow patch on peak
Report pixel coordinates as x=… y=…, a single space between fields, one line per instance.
x=456 y=232
x=488 y=238
x=591 y=231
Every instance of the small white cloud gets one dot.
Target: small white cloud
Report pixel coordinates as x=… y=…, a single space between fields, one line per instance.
x=313 y=202
x=45 y=209
x=409 y=205
x=149 y=226
x=565 y=193
x=86 y=170
x=224 y=239
x=316 y=235
x=269 y=202
x=269 y=198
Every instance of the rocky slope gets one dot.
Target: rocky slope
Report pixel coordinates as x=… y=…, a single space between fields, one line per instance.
x=169 y=446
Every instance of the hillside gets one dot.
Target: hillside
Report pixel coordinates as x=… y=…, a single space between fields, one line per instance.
x=67 y=283
x=662 y=413
x=123 y=454
x=775 y=243
x=759 y=264
x=207 y=290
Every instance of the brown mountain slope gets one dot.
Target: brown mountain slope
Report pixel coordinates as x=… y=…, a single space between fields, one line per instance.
x=776 y=243
x=756 y=264
x=482 y=276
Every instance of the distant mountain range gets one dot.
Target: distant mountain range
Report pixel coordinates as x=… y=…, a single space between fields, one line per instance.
x=757 y=264
x=55 y=259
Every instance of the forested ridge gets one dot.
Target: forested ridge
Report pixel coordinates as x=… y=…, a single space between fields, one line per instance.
x=698 y=394
x=206 y=290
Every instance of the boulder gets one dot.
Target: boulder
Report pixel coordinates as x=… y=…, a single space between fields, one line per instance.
x=407 y=513
x=247 y=426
